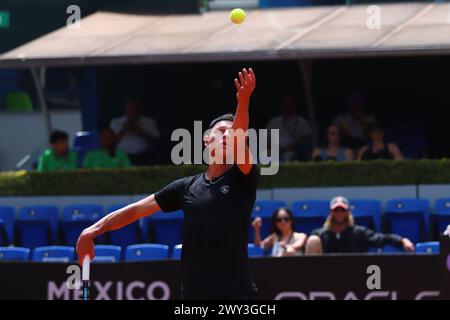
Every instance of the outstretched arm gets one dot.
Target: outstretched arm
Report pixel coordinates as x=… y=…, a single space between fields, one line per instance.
x=267 y=243
x=380 y=239
x=114 y=220
x=244 y=86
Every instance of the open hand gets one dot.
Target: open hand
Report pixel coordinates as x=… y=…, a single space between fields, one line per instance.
x=245 y=85
x=408 y=246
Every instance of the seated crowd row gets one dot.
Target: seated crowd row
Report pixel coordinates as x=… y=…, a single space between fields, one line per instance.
x=134 y=139
x=274 y=233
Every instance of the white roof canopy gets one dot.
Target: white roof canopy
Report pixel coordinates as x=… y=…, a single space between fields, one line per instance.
x=306 y=32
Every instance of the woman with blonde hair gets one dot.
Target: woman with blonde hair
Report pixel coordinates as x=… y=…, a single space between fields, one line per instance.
x=340 y=233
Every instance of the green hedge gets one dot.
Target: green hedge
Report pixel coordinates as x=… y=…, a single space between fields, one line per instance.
x=149 y=179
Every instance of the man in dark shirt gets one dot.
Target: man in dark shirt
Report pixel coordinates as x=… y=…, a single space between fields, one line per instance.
x=215 y=235
x=217 y=205
x=339 y=234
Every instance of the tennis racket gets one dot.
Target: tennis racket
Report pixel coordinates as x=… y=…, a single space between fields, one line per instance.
x=85 y=277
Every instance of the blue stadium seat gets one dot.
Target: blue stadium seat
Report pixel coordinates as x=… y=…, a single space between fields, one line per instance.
x=176 y=251
x=428 y=247
x=107 y=253
x=87 y=140
x=441 y=214
x=386 y=248
x=167 y=227
x=53 y=254
x=374 y=250
x=147 y=251
x=37 y=226
x=408 y=217
x=309 y=214
x=392 y=249
x=6 y=225
x=76 y=218
x=367 y=213
x=127 y=235
x=264 y=209
x=254 y=251
x=84 y=142
x=144 y=226
x=14 y=254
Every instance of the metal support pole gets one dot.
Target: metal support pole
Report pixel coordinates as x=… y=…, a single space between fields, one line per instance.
x=306 y=70
x=41 y=98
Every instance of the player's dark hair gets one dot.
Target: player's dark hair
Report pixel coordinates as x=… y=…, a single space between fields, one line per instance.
x=57 y=136
x=274 y=228
x=224 y=117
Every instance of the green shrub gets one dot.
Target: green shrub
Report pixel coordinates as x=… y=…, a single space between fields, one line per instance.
x=293 y=175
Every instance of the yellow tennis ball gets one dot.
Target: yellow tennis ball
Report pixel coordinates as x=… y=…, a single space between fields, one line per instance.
x=237 y=15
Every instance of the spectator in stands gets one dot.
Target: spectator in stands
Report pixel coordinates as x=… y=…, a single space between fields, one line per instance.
x=58 y=157
x=332 y=150
x=295 y=132
x=283 y=240
x=340 y=234
x=378 y=148
x=108 y=156
x=138 y=135
x=354 y=125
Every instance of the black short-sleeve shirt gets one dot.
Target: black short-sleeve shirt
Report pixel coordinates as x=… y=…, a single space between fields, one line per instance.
x=215 y=232
x=354 y=239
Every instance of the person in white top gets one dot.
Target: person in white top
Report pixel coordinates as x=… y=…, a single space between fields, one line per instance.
x=295 y=132
x=283 y=240
x=137 y=135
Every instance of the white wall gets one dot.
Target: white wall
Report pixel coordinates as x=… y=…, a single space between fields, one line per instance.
x=22 y=133
x=433 y=192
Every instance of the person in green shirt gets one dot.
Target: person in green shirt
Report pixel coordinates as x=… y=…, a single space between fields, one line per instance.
x=108 y=156
x=58 y=157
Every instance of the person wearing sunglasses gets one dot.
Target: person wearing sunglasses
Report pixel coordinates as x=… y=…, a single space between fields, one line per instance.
x=283 y=240
x=340 y=234
x=332 y=149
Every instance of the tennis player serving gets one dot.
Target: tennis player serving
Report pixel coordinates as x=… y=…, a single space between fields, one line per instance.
x=217 y=205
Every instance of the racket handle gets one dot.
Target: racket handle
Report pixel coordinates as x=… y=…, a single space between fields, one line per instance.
x=85 y=289
x=86 y=266
x=85 y=274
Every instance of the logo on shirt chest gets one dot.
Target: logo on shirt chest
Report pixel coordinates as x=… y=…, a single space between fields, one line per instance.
x=225 y=189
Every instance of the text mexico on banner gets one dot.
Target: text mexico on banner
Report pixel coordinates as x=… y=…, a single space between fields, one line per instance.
x=321 y=277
